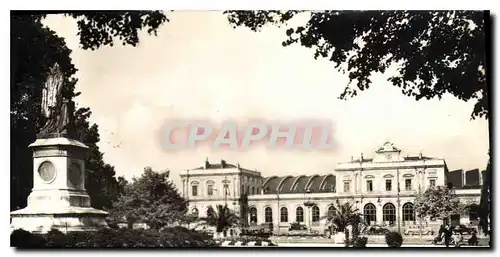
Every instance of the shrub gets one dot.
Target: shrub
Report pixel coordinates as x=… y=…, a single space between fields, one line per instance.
x=360 y=242
x=56 y=239
x=261 y=233
x=393 y=239
x=24 y=239
x=121 y=238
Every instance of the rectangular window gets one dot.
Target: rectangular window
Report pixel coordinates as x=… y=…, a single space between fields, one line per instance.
x=432 y=183
x=210 y=189
x=346 y=186
x=407 y=184
x=388 y=185
x=369 y=185
x=194 y=190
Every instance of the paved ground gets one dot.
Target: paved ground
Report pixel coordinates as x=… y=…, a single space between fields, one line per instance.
x=368 y=245
x=372 y=240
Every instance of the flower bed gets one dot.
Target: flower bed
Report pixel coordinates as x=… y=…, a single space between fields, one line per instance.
x=113 y=238
x=246 y=242
x=300 y=234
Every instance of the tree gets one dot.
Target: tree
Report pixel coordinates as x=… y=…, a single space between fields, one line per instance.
x=343 y=215
x=437 y=203
x=222 y=219
x=34 y=49
x=152 y=199
x=485 y=202
x=437 y=52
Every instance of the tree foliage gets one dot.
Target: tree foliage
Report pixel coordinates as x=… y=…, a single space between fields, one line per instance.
x=223 y=218
x=152 y=199
x=437 y=52
x=34 y=49
x=437 y=203
x=98 y=29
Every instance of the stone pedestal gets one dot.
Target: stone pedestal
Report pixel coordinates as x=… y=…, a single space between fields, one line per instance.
x=339 y=238
x=58 y=199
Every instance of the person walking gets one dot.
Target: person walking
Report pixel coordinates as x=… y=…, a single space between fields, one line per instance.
x=447 y=235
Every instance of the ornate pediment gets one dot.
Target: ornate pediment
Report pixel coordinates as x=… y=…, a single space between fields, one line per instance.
x=387 y=153
x=387 y=147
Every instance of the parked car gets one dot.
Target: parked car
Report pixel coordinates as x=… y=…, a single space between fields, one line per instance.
x=415 y=230
x=463 y=229
x=376 y=230
x=297 y=227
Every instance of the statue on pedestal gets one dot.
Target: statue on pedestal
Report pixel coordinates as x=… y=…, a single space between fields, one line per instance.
x=58 y=199
x=55 y=108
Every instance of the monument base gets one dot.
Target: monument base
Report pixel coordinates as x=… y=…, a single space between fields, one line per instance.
x=64 y=219
x=58 y=199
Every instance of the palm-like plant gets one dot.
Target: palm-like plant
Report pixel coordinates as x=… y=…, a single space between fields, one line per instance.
x=222 y=219
x=343 y=215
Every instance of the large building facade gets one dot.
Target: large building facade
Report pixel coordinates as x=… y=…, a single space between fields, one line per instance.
x=383 y=188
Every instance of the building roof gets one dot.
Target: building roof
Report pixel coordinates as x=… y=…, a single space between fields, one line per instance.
x=299 y=184
x=408 y=158
x=221 y=165
x=456 y=178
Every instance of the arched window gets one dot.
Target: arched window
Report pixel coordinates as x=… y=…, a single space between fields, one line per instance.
x=253 y=190
x=268 y=215
x=253 y=215
x=389 y=213
x=315 y=214
x=473 y=208
x=194 y=188
x=408 y=212
x=284 y=214
x=330 y=210
x=370 y=214
x=194 y=212
x=299 y=214
x=210 y=187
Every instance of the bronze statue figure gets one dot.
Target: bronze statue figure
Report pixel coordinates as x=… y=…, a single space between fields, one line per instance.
x=58 y=110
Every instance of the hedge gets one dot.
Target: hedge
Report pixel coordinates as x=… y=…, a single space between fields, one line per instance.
x=393 y=239
x=261 y=233
x=113 y=238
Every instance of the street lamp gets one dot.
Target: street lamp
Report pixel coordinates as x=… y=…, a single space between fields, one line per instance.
x=309 y=204
x=399 y=202
x=419 y=214
x=278 y=213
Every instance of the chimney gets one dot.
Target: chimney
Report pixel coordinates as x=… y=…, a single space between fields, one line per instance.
x=361 y=157
x=222 y=163
x=207 y=164
x=420 y=155
x=238 y=165
x=352 y=158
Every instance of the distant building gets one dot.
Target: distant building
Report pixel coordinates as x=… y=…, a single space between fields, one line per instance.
x=371 y=184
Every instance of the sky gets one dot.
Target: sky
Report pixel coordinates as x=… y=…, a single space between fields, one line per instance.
x=199 y=67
